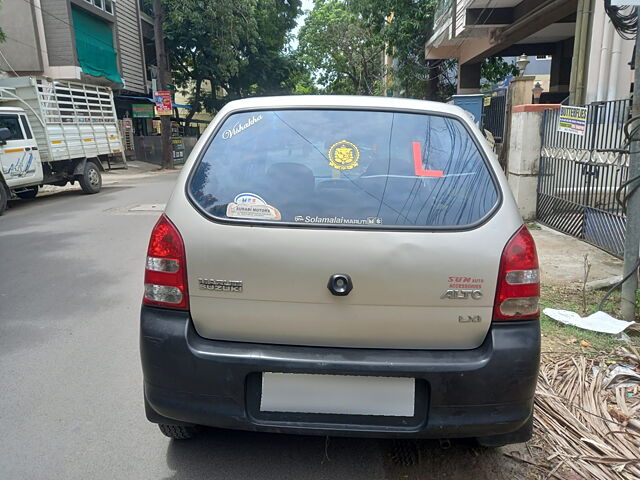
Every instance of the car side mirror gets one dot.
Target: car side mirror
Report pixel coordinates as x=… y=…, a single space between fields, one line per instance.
x=5 y=134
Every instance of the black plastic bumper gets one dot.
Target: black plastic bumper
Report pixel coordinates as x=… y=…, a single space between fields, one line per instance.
x=459 y=393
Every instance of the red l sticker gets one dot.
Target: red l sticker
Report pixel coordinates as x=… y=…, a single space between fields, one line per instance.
x=419 y=168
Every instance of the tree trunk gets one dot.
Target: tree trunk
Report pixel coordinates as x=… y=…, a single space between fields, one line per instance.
x=195 y=106
x=163 y=79
x=431 y=85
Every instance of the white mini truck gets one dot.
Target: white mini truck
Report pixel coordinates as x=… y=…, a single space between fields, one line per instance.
x=54 y=132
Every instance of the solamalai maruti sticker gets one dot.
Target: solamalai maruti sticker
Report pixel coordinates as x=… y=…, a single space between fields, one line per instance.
x=344 y=155
x=252 y=207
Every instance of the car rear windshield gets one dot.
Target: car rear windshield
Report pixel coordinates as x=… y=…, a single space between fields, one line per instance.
x=350 y=168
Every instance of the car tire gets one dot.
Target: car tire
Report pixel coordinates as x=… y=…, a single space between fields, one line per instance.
x=4 y=197
x=91 y=179
x=178 y=432
x=28 y=192
x=523 y=434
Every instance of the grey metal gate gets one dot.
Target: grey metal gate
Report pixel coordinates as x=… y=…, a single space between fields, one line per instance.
x=579 y=176
x=493 y=116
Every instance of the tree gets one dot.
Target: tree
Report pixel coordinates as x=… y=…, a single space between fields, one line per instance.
x=398 y=29
x=226 y=49
x=302 y=80
x=163 y=78
x=267 y=68
x=495 y=69
x=341 y=53
x=402 y=28
x=207 y=43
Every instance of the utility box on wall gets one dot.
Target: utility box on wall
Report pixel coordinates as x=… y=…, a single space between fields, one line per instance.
x=472 y=104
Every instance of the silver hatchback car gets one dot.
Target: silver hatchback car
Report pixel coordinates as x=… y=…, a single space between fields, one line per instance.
x=342 y=266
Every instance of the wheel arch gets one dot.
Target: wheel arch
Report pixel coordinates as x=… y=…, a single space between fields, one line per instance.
x=81 y=163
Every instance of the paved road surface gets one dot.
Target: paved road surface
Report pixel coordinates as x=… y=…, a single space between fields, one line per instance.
x=71 y=272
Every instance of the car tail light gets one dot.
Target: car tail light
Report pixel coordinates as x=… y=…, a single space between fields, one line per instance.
x=165 y=275
x=518 y=289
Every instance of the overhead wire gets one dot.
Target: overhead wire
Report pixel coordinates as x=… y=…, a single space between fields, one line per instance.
x=625 y=21
x=62 y=20
x=8 y=64
x=40 y=49
x=44 y=51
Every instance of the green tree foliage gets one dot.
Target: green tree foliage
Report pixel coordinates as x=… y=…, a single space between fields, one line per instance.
x=224 y=49
x=373 y=47
x=266 y=70
x=340 y=51
x=302 y=80
x=335 y=31
x=402 y=28
x=495 y=69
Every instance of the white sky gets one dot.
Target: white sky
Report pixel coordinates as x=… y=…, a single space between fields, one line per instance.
x=306 y=5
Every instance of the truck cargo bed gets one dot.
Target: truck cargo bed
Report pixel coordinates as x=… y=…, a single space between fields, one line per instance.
x=69 y=120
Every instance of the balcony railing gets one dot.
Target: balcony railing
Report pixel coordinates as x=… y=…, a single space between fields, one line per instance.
x=442 y=7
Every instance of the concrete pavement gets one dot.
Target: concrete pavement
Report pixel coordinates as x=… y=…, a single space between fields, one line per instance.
x=562 y=259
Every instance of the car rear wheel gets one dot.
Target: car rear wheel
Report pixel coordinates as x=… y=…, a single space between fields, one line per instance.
x=91 y=179
x=178 y=432
x=28 y=192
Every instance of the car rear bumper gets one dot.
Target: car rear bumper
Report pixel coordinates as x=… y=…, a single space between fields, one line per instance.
x=459 y=393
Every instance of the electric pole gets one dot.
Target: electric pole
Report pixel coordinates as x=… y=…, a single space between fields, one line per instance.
x=162 y=81
x=632 y=233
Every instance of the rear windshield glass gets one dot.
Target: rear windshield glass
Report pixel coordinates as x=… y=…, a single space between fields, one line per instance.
x=344 y=168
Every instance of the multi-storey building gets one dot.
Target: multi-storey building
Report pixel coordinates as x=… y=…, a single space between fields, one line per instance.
x=93 y=41
x=589 y=60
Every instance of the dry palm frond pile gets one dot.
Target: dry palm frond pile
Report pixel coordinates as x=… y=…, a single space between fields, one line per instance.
x=588 y=416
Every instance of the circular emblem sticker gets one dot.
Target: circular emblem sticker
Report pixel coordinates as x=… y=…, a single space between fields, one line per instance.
x=344 y=155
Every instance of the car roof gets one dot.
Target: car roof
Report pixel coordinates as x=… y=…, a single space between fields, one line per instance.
x=342 y=101
x=11 y=109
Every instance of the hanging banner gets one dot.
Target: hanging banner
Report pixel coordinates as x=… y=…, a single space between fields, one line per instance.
x=572 y=120
x=163 y=103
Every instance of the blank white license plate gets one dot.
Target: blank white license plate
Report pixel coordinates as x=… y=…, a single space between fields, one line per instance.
x=337 y=394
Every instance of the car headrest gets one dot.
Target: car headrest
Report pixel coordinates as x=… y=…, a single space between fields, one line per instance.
x=290 y=176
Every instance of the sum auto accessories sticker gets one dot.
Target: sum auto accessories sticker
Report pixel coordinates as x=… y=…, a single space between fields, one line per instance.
x=253 y=207
x=344 y=155
x=462 y=288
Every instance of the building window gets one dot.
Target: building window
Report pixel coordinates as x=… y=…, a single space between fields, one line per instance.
x=104 y=5
x=94 y=45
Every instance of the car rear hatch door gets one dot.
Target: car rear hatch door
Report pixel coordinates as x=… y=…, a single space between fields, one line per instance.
x=404 y=204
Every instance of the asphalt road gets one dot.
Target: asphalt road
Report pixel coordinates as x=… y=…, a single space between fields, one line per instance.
x=71 y=273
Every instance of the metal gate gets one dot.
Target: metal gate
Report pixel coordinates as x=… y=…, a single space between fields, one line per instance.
x=493 y=116
x=579 y=176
